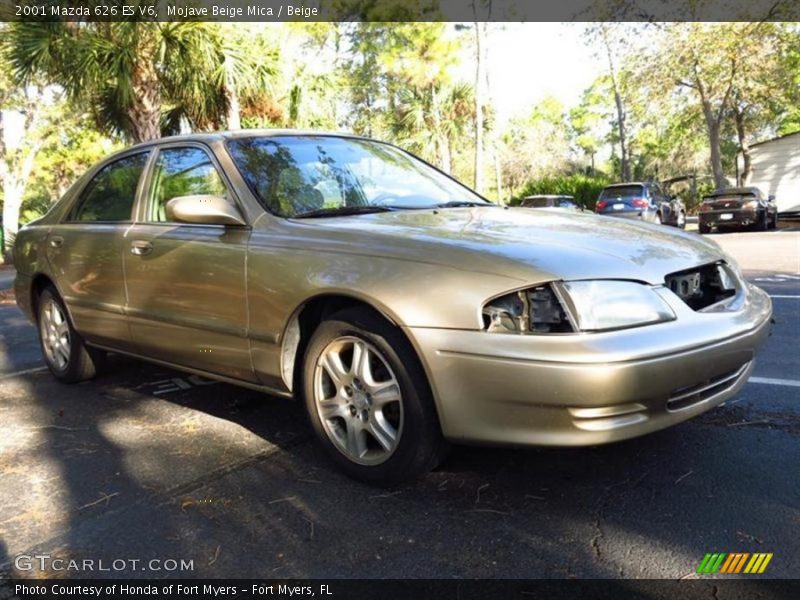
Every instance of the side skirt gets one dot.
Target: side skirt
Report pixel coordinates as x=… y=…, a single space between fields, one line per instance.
x=200 y=372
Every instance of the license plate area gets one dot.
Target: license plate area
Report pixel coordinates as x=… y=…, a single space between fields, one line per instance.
x=726 y=217
x=618 y=206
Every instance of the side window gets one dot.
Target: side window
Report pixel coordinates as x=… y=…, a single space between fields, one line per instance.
x=182 y=172
x=110 y=195
x=655 y=194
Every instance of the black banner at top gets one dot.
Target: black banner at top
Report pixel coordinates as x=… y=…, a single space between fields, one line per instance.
x=399 y=10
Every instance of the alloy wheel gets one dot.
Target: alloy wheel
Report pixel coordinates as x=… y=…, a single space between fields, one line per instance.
x=54 y=330
x=358 y=400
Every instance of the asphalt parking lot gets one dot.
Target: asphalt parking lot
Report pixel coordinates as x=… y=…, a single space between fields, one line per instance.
x=145 y=463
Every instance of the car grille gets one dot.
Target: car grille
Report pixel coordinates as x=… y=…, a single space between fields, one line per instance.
x=689 y=396
x=703 y=286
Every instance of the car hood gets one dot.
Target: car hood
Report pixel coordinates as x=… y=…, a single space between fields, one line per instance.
x=527 y=244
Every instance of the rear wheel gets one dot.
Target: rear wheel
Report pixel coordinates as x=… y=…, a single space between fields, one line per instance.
x=704 y=228
x=65 y=353
x=763 y=221
x=369 y=401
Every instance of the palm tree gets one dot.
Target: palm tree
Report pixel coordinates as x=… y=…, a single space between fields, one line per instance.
x=137 y=78
x=431 y=118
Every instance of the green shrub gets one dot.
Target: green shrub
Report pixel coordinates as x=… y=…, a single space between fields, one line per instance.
x=583 y=188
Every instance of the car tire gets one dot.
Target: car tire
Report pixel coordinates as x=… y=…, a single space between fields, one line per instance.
x=704 y=228
x=69 y=359
x=657 y=219
x=763 y=221
x=681 y=221
x=774 y=223
x=379 y=442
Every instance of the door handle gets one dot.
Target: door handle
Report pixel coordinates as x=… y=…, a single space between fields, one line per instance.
x=56 y=241
x=141 y=248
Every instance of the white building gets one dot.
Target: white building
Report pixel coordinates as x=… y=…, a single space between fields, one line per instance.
x=776 y=170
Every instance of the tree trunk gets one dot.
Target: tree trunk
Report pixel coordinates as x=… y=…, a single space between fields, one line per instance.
x=444 y=149
x=713 y=127
x=233 y=120
x=744 y=147
x=12 y=202
x=145 y=109
x=478 y=181
x=625 y=167
x=440 y=137
x=498 y=177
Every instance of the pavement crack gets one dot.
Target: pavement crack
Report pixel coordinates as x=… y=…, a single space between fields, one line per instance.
x=596 y=539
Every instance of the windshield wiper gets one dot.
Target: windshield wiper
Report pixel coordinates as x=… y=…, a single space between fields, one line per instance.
x=342 y=211
x=462 y=203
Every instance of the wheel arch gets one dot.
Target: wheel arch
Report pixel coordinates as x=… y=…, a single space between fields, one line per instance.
x=307 y=317
x=39 y=282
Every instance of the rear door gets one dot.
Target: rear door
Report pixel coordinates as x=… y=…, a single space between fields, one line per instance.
x=187 y=298
x=85 y=251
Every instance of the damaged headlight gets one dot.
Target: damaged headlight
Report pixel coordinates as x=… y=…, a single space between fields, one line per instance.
x=570 y=307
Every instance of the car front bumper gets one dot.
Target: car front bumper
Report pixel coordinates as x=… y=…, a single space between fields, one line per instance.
x=586 y=389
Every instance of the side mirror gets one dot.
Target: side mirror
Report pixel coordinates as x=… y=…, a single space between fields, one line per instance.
x=771 y=198
x=203 y=209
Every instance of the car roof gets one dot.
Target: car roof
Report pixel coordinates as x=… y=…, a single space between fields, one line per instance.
x=547 y=196
x=216 y=136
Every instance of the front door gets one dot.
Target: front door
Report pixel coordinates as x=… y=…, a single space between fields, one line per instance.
x=187 y=300
x=85 y=252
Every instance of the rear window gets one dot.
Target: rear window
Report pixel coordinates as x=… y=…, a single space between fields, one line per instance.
x=730 y=196
x=110 y=195
x=622 y=191
x=537 y=202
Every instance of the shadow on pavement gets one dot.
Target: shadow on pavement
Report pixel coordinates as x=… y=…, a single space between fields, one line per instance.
x=146 y=463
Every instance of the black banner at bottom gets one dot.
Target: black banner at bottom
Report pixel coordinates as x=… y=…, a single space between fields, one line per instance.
x=390 y=589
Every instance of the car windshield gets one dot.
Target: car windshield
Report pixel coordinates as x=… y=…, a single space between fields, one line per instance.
x=622 y=191
x=295 y=176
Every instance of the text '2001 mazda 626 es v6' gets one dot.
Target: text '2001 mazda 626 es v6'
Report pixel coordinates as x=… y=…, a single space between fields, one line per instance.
x=403 y=309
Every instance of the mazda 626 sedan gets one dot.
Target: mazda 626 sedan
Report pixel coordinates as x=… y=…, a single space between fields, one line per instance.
x=403 y=309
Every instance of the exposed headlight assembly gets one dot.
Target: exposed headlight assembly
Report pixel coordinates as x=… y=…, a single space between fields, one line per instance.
x=576 y=306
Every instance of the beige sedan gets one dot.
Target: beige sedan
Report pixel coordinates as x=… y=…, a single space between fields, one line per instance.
x=401 y=307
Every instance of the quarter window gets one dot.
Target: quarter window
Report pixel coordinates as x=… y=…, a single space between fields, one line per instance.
x=110 y=195
x=183 y=172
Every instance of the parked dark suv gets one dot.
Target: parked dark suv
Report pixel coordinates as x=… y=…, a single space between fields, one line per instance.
x=644 y=201
x=738 y=207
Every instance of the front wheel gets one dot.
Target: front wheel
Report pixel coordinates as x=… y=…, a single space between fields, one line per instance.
x=65 y=353
x=657 y=219
x=369 y=401
x=681 y=222
x=704 y=228
x=774 y=224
